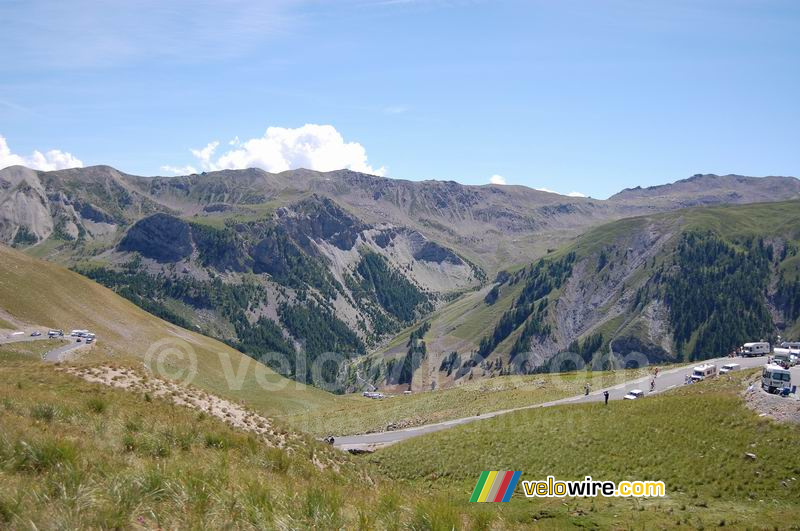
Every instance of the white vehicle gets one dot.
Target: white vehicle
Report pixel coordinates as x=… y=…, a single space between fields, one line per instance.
x=791 y=345
x=788 y=354
x=78 y=333
x=729 y=367
x=373 y=395
x=55 y=333
x=89 y=339
x=701 y=372
x=633 y=394
x=775 y=377
x=782 y=357
x=755 y=349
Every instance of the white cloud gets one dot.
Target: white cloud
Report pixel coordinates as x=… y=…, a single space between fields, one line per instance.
x=571 y=194
x=55 y=159
x=179 y=170
x=497 y=179
x=314 y=147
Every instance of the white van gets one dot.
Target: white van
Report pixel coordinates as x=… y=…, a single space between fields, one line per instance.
x=701 y=372
x=774 y=378
x=729 y=367
x=78 y=333
x=755 y=349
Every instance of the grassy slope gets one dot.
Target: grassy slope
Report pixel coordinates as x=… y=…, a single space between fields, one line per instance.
x=466 y=319
x=694 y=439
x=31 y=349
x=78 y=455
x=360 y=415
x=44 y=294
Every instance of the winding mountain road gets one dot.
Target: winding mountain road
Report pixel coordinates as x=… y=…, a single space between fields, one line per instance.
x=55 y=355
x=666 y=380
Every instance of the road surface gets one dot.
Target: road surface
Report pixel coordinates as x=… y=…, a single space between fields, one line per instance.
x=55 y=355
x=667 y=379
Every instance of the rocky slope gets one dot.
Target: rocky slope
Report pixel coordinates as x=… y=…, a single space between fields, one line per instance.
x=313 y=262
x=687 y=285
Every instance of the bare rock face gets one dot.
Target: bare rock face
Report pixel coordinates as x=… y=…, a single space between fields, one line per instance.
x=433 y=252
x=24 y=213
x=320 y=218
x=162 y=237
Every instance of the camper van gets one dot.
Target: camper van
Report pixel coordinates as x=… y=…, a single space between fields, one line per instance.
x=701 y=372
x=774 y=378
x=78 y=333
x=755 y=349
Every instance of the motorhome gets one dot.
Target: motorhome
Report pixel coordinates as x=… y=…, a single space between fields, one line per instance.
x=701 y=372
x=775 y=377
x=755 y=349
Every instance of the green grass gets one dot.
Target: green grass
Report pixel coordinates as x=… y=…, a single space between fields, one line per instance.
x=32 y=349
x=355 y=414
x=694 y=439
x=67 y=463
x=41 y=293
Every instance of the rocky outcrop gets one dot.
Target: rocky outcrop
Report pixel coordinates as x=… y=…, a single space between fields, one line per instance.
x=162 y=237
x=433 y=252
x=320 y=218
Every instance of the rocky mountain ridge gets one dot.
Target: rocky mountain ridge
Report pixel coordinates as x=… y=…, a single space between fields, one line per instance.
x=263 y=260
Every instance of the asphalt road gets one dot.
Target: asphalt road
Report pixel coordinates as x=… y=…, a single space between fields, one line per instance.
x=55 y=355
x=666 y=380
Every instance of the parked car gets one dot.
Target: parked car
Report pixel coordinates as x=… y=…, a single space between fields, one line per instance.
x=36 y=333
x=634 y=394
x=782 y=358
x=55 y=333
x=729 y=367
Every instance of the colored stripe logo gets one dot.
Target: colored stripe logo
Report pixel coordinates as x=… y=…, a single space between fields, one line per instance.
x=494 y=486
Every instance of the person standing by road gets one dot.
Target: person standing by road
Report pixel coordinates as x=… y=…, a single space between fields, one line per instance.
x=586 y=389
x=605 y=395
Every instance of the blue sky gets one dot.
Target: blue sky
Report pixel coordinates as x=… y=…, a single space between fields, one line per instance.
x=567 y=95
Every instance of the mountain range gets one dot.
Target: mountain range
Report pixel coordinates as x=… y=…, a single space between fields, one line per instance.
x=422 y=283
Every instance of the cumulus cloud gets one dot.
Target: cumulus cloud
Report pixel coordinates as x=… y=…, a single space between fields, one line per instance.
x=497 y=179
x=570 y=194
x=55 y=159
x=312 y=146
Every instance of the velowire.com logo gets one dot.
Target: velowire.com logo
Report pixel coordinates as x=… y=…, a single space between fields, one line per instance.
x=495 y=486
